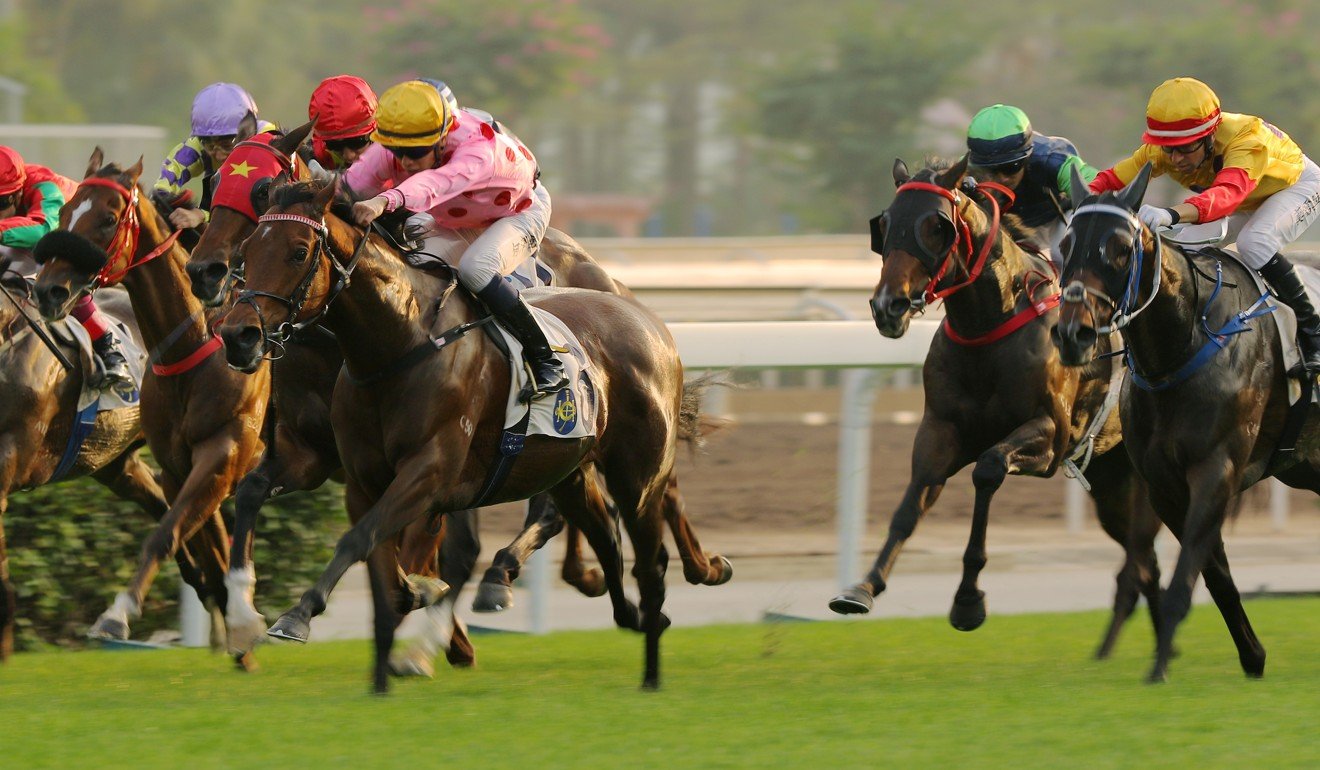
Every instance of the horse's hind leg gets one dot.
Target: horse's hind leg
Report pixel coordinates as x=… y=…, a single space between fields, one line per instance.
x=645 y=530
x=699 y=567
x=580 y=500
x=495 y=593
x=1126 y=516
x=589 y=581
x=1028 y=449
x=934 y=459
x=1219 y=582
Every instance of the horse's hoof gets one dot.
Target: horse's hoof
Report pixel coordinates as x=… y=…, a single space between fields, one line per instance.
x=492 y=597
x=968 y=615
x=855 y=601
x=726 y=572
x=1254 y=669
x=1157 y=676
x=461 y=656
x=650 y=685
x=246 y=662
x=111 y=629
x=290 y=628
x=420 y=592
x=244 y=637
x=412 y=663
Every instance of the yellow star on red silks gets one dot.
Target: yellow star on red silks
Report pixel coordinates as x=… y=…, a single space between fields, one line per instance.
x=241 y=169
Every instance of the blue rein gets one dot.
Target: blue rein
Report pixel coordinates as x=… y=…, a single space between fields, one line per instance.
x=1215 y=342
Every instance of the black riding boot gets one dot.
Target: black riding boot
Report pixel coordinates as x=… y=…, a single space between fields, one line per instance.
x=1288 y=286
x=114 y=366
x=502 y=298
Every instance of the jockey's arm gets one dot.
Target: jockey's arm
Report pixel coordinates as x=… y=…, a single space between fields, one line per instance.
x=22 y=231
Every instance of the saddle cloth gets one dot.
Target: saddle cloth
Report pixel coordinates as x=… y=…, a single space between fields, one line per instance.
x=571 y=413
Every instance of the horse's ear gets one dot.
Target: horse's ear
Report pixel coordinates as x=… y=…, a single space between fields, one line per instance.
x=289 y=143
x=1132 y=195
x=95 y=162
x=901 y=173
x=1078 y=188
x=951 y=178
x=247 y=127
x=326 y=195
x=134 y=172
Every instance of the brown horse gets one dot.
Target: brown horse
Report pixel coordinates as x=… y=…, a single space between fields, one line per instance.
x=996 y=393
x=425 y=430
x=202 y=420
x=38 y=409
x=303 y=452
x=1204 y=409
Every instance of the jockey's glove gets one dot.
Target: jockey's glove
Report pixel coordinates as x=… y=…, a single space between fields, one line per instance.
x=1155 y=217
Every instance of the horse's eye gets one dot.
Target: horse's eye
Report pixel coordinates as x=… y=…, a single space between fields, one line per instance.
x=109 y=220
x=300 y=255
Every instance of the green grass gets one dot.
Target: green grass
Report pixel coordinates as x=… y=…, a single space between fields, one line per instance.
x=1021 y=692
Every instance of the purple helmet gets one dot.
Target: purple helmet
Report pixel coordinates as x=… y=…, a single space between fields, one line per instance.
x=218 y=108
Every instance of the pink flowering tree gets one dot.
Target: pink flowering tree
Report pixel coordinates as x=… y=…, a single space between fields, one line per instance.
x=501 y=57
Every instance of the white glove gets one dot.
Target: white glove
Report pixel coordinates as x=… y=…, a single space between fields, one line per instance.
x=418 y=226
x=319 y=172
x=1155 y=217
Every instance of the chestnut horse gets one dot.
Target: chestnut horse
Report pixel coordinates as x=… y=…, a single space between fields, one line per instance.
x=202 y=420
x=423 y=431
x=38 y=412
x=1200 y=435
x=996 y=393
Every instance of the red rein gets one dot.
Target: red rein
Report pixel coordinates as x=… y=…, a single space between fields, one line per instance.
x=964 y=237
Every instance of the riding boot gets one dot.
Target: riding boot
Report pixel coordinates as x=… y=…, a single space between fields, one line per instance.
x=1289 y=288
x=114 y=366
x=501 y=296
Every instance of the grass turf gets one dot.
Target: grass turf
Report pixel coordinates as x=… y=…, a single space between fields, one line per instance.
x=1021 y=692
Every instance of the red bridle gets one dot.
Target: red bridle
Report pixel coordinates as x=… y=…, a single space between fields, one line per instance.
x=123 y=244
x=962 y=237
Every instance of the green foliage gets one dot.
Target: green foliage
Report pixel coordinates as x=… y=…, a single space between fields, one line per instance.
x=1022 y=692
x=45 y=100
x=73 y=546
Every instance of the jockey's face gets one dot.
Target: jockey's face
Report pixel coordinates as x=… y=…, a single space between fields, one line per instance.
x=9 y=205
x=1186 y=158
x=413 y=165
x=1009 y=175
x=349 y=149
x=218 y=147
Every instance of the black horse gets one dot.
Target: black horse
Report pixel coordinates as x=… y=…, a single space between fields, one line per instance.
x=996 y=393
x=1205 y=407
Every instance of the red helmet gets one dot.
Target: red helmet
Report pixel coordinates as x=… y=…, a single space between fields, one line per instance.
x=13 y=172
x=344 y=106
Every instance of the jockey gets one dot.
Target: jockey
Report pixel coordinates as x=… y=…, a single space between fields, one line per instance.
x=1241 y=168
x=30 y=200
x=344 y=108
x=1037 y=168
x=476 y=190
x=217 y=111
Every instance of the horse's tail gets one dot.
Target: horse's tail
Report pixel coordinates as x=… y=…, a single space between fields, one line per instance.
x=693 y=426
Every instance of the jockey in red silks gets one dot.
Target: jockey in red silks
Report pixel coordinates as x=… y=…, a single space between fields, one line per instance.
x=475 y=190
x=1241 y=168
x=31 y=197
x=344 y=108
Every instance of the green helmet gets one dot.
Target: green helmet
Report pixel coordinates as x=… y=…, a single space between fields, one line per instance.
x=999 y=134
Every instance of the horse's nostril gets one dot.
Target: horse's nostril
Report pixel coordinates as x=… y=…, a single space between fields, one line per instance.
x=216 y=271
x=898 y=307
x=56 y=295
x=1085 y=336
x=249 y=337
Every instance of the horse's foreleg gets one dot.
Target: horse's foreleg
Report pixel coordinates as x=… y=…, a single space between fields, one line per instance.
x=406 y=498
x=589 y=581
x=935 y=456
x=496 y=590
x=1211 y=484
x=699 y=567
x=1028 y=449
x=383 y=575
x=1219 y=582
x=195 y=507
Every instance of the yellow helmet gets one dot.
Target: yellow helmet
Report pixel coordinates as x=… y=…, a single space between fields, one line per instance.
x=1180 y=111
x=412 y=114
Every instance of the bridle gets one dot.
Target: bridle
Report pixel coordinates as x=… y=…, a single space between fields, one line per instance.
x=298 y=298
x=122 y=248
x=1078 y=293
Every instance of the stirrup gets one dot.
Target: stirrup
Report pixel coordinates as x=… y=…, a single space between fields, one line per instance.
x=533 y=391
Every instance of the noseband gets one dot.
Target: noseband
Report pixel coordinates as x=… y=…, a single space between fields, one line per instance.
x=295 y=301
x=1078 y=293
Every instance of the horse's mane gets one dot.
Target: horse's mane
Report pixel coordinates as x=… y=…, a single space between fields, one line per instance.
x=293 y=193
x=1010 y=224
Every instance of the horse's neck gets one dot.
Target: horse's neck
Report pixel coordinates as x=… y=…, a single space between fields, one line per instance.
x=1160 y=336
x=383 y=314
x=161 y=293
x=995 y=291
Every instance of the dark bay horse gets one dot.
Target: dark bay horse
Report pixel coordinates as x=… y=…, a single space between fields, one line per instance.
x=427 y=434
x=1199 y=435
x=38 y=410
x=202 y=420
x=996 y=393
x=303 y=454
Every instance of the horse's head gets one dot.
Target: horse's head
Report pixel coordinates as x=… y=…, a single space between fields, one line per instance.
x=98 y=233
x=1104 y=246
x=289 y=266
x=241 y=196
x=917 y=237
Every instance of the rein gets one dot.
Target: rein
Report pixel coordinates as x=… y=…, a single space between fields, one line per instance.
x=124 y=243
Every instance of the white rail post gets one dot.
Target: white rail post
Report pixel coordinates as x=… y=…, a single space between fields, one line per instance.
x=194 y=620
x=1279 y=504
x=1074 y=505
x=537 y=570
x=854 y=467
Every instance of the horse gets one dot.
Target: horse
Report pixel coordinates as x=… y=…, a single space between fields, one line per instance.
x=38 y=413
x=302 y=452
x=996 y=393
x=1199 y=435
x=420 y=425
x=201 y=420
